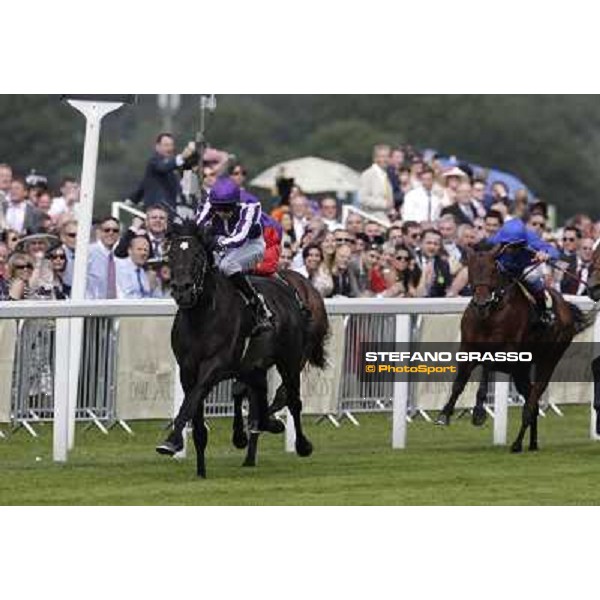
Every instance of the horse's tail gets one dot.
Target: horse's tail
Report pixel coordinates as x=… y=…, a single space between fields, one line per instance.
x=317 y=324
x=581 y=321
x=318 y=337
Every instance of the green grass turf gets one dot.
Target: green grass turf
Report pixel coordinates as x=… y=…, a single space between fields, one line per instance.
x=351 y=465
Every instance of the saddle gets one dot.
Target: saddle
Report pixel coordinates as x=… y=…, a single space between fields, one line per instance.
x=535 y=317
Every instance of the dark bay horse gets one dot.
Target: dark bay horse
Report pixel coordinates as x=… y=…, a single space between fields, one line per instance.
x=211 y=342
x=498 y=318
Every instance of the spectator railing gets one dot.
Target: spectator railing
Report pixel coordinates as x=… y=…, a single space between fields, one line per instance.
x=348 y=208
x=117 y=207
x=398 y=311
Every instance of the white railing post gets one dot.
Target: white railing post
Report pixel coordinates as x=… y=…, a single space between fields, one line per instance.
x=596 y=340
x=60 y=443
x=501 y=387
x=290 y=432
x=400 y=400
x=348 y=208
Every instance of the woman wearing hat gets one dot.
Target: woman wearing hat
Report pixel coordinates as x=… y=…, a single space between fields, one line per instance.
x=36 y=246
x=239 y=242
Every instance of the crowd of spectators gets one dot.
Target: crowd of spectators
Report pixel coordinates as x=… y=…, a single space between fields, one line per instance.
x=417 y=221
x=410 y=239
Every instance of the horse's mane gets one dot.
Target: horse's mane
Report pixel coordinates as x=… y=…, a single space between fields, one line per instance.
x=187 y=227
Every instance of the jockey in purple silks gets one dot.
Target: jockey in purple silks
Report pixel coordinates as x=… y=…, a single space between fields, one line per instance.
x=236 y=222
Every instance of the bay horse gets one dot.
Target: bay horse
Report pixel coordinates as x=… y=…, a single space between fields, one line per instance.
x=498 y=318
x=211 y=342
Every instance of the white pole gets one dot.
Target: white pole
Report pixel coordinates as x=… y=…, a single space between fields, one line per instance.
x=400 y=401
x=61 y=392
x=593 y=435
x=290 y=432
x=501 y=386
x=178 y=397
x=93 y=111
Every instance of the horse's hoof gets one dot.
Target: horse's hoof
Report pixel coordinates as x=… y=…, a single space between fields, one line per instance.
x=201 y=474
x=249 y=463
x=516 y=448
x=240 y=440
x=275 y=426
x=168 y=449
x=598 y=422
x=443 y=420
x=304 y=448
x=533 y=448
x=479 y=417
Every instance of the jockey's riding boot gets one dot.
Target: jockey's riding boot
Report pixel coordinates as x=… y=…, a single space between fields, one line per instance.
x=262 y=314
x=544 y=307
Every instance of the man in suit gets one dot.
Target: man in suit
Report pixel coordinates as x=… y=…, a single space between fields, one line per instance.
x=132 y=279
x=19 y=214
x=162 y=181
x=464 y=211
x=570 y=259
x=154 y=229
x=436 y=277
x=375 y=190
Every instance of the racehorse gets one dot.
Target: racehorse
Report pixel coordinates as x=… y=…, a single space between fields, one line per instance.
x=318 y=329
x=498 y=318
x=211 y=342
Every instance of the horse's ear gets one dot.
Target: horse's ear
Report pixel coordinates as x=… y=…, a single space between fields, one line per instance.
x=495 y=251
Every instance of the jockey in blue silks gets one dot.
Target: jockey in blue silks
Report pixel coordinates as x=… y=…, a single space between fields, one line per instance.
x=236 y=223
x=523 y=250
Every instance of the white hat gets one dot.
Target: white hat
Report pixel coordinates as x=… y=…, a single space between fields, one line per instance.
x=455 y=172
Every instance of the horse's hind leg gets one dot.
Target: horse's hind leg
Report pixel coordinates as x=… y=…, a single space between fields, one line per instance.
x=258 y=413
x=479 y=415
x=200 y=433
x=462 y=377
x=294 y=403
x=239 y=436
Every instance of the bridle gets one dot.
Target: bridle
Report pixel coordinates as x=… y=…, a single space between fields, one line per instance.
x=198 y=272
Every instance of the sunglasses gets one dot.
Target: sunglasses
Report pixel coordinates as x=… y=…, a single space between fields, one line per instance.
x=71 y=235
x=538 y=224
x=58 y=257
x=344 y=241
x=238 y=173
x=401 y=257
x=415 y=236
x=27 y=266
x=569 y=239
x=110 y=230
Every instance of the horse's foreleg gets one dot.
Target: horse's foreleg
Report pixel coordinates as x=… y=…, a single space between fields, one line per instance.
x=479 y=415
x=462 y=377
x=523 y=386
x=200 y=433
x=239 y=437
x=196 y=385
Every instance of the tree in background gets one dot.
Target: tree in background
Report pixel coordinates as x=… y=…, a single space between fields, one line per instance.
x=551 y=142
